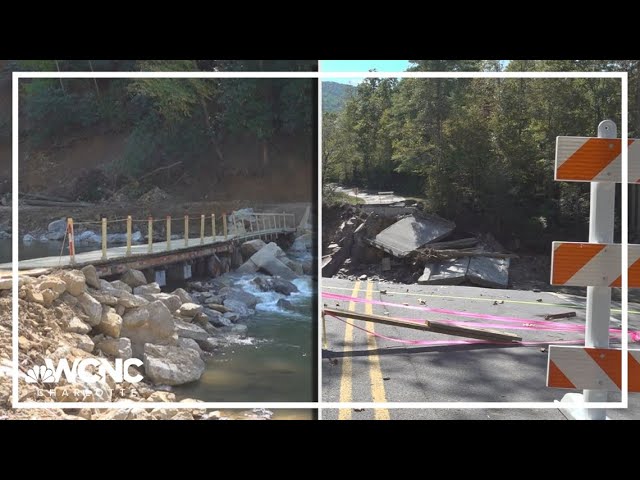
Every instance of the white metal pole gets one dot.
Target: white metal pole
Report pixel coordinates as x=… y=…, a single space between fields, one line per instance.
x=599 y=298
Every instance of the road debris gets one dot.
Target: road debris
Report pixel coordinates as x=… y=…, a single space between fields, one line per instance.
x=389 y=239
x=556 y=316
x=429 y=326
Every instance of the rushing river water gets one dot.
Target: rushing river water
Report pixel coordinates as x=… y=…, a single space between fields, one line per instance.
x=275 y=360
x=39 y=249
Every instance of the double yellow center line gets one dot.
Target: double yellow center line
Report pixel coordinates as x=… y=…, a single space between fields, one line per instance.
x=375 y=373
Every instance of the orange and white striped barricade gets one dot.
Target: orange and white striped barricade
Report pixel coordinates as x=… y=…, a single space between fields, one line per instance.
x=588 y=159
x=72 y=246
x=593 y=264
x=576 y=367
x=597 y=264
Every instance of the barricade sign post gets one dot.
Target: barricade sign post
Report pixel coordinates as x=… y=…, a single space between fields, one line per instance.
x=597 y=265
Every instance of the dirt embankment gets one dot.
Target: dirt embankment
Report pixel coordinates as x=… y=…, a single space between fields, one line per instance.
x=80 y=171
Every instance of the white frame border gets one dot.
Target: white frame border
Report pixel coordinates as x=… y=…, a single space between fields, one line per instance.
x=623 y=77
x=320 y=404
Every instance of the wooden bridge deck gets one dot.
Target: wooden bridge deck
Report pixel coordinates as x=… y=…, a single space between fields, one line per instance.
x=118 y=261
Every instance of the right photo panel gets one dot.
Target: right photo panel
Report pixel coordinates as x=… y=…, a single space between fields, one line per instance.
x=474 y=239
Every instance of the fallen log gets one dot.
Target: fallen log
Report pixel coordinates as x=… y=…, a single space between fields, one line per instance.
x=429 y=326
x=38 y=196
x=153 y=172
x=51 y=203
x=430 y=255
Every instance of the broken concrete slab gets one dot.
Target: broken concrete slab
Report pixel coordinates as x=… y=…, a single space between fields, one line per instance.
x=332 y=263
x=489 y=272
x=446 y=272
x=412 y=232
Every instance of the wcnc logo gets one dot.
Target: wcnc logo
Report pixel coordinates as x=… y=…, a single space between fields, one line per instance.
x=88 y=370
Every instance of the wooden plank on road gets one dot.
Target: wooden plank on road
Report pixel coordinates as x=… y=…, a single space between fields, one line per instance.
x=429 y=326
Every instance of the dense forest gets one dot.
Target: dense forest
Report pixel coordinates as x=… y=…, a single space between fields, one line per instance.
x=169 y=120
x=478 y=148
x=335 y=95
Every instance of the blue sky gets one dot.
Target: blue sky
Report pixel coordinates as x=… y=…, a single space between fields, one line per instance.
x=361 y=66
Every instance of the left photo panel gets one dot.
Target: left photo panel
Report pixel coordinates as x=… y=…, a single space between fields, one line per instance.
x=166 y=239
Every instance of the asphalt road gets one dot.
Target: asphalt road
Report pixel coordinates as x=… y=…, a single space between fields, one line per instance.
x=359 y=367
x=371 y=197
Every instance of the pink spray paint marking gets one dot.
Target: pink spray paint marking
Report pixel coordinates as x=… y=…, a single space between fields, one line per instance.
x=518 y=323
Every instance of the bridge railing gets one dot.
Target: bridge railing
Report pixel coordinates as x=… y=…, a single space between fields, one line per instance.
x=210 y=229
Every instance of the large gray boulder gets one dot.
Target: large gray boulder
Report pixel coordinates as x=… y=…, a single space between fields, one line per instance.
x=134 y=278
x=209 y=316
x=57 y=285
x=190 y=343
x=274 y=284
x=116 y=347
x=266 y=260
x=150 y=323
x=75 y=281
x=239 y=307
x=147 y=289
x=128 y=300
x=183 y=295
x=111 y=322
x=172 y=302
x=238 y=295
x=189 y=330
x=91 y=307
x=56 y=230
x=293 y=265
x=211 y=344
x=303 y=243
x=104 y=297
x=172 y=365
x=76 y=325
x=252 y=246
x=91 y=276
x=81 y=341
x=117 y=284
x=190 y=310
x=222 y=320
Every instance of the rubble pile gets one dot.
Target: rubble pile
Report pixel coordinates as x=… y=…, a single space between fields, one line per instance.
x=412 y=246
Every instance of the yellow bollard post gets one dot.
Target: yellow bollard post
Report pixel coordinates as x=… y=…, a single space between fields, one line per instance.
x=150 y=234
x=213 y=226
x=168 y=232
x=186 y=230
x=104 y=238
x=235 y=226
x=224 y=225
x=201 y=229
x=128 y=235
x=258 y=227
x=72 y=247
x=324 y=333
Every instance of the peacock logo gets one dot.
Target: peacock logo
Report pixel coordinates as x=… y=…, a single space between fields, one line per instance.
x=40 y=373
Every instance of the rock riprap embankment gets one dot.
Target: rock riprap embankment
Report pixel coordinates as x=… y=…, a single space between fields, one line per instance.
x=74 y=314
